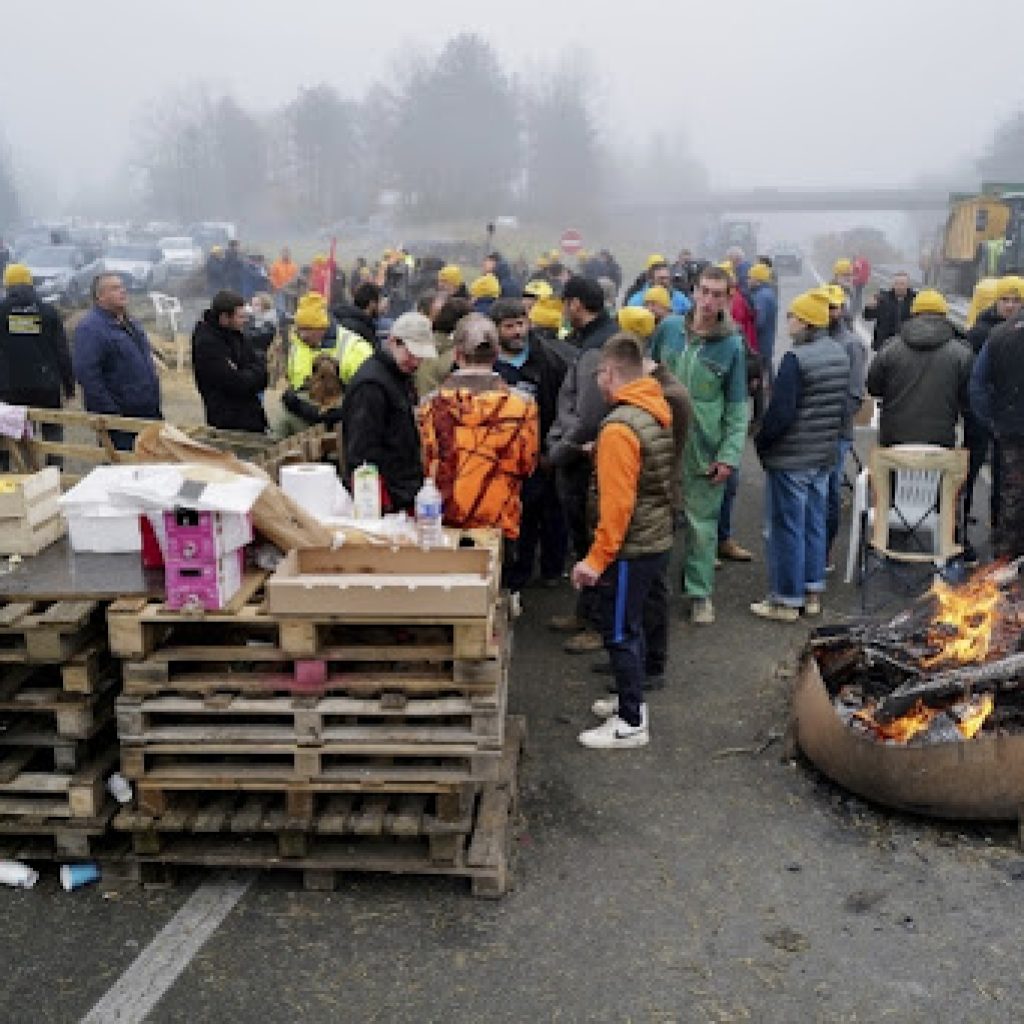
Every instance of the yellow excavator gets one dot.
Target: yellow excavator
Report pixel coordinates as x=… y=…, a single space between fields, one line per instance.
x=983 y=237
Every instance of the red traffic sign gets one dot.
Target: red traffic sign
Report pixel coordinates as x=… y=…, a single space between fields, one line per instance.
x=572 y=242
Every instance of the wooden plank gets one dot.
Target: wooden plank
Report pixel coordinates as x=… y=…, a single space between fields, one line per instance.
x=334 y=817
x=368 y=820
x=407 y=819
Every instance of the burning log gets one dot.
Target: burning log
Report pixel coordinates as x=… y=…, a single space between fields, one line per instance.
x=947 y=685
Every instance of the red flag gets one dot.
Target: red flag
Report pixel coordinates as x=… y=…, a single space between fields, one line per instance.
x=332 y=266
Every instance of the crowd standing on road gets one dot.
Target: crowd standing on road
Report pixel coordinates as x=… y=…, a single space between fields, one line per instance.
x=575 y=414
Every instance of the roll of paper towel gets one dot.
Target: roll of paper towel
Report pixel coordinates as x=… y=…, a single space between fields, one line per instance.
x=315 y=487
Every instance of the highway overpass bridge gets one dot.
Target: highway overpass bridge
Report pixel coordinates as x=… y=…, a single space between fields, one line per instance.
x=782 y=200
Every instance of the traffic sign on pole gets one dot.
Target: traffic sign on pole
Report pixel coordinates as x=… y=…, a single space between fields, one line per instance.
x=572 y=242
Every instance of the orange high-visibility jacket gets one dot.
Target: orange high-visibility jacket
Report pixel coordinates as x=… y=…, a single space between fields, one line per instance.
x=480 y=441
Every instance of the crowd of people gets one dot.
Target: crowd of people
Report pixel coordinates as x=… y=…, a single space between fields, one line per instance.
x=574 y=414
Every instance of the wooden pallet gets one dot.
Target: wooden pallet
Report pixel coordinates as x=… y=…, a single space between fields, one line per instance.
x=87 y=439
x=246 y=765
x=248 y=652
x=296 y=818
x=482 y=854
x=27 y=792
x=46 y=631
x=38 y=837
x=66 y=754
x=140 y=628
x=89 y=671
x=29 y=694
x=310 y=720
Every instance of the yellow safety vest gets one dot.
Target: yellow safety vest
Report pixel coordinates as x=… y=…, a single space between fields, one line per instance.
x=349 y=350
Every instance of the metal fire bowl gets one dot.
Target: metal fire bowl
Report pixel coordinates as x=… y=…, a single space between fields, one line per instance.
x=978 y=779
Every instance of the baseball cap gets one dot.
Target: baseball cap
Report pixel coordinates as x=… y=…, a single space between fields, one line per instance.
x=415 y=332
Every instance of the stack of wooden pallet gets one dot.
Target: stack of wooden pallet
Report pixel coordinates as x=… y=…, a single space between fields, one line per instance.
x=58 y=742
x=317 y=739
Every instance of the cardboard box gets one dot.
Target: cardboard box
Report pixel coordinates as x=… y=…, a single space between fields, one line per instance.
x=384 y=582
x=193 y=536
x=207 y=585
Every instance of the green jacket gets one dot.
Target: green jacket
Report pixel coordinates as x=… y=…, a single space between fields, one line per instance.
x=713 y=370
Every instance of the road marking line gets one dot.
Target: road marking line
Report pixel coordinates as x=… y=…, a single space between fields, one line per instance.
x=156 y=968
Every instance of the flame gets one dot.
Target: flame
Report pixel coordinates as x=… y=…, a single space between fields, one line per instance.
x=963 y=624
x=902 y=729
x=968 y=716
x=971 y=717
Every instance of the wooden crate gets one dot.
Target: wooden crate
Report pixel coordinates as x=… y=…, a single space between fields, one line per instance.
x=364 y=835
x=47 y=631
x=62 y=753
x=30 y=518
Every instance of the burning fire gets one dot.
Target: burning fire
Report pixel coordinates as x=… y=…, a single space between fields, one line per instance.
x=967 y=716
x=962 y=627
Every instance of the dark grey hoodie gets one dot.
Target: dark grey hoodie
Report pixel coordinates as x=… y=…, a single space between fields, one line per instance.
x=921 y=377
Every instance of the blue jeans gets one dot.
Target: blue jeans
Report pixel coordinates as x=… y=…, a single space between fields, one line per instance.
x=794 y=528
x=732 y=485
x=835 y=487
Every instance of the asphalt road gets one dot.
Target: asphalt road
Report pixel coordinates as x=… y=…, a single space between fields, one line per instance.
x=699 y=879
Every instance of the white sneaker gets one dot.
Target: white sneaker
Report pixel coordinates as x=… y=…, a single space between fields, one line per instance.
x=812 y=604
x=702 y=611
x=615 y=734
x=605 y=707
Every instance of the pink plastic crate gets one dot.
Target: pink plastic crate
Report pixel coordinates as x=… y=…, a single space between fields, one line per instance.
x=204 y=536
x=208 y=585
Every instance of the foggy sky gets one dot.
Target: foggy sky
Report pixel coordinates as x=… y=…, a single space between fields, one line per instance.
x=779 y=92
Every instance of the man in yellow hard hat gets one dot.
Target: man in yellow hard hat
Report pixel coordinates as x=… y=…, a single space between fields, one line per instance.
x=1006 y=303
x=997 y=383
x=922 y=377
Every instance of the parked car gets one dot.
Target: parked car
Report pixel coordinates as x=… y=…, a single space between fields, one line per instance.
x=53 y=268
x=208 y=233
x=787 y=258
x=141 y=267
x=181 y=254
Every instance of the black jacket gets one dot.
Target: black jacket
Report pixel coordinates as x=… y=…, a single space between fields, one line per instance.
x=541 y=377
x=889 y=315
x=983 y=326
x=35 y=361
x=922 y=378
x=229 y=376
x=352 y=318
x=378 y=426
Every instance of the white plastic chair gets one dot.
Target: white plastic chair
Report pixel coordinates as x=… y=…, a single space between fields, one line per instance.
x=923 y=503
x=168 y=309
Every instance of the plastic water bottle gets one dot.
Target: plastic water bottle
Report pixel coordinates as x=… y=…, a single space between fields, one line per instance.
x=428 y=515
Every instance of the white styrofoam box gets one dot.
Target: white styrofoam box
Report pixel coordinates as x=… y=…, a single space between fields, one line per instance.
x=95 y=524
x=104 y=532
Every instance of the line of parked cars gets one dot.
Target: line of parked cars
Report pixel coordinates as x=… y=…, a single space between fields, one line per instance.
x=65 y=260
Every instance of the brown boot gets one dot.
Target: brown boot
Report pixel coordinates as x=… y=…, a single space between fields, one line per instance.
x=584 y=643
x=732 y=552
